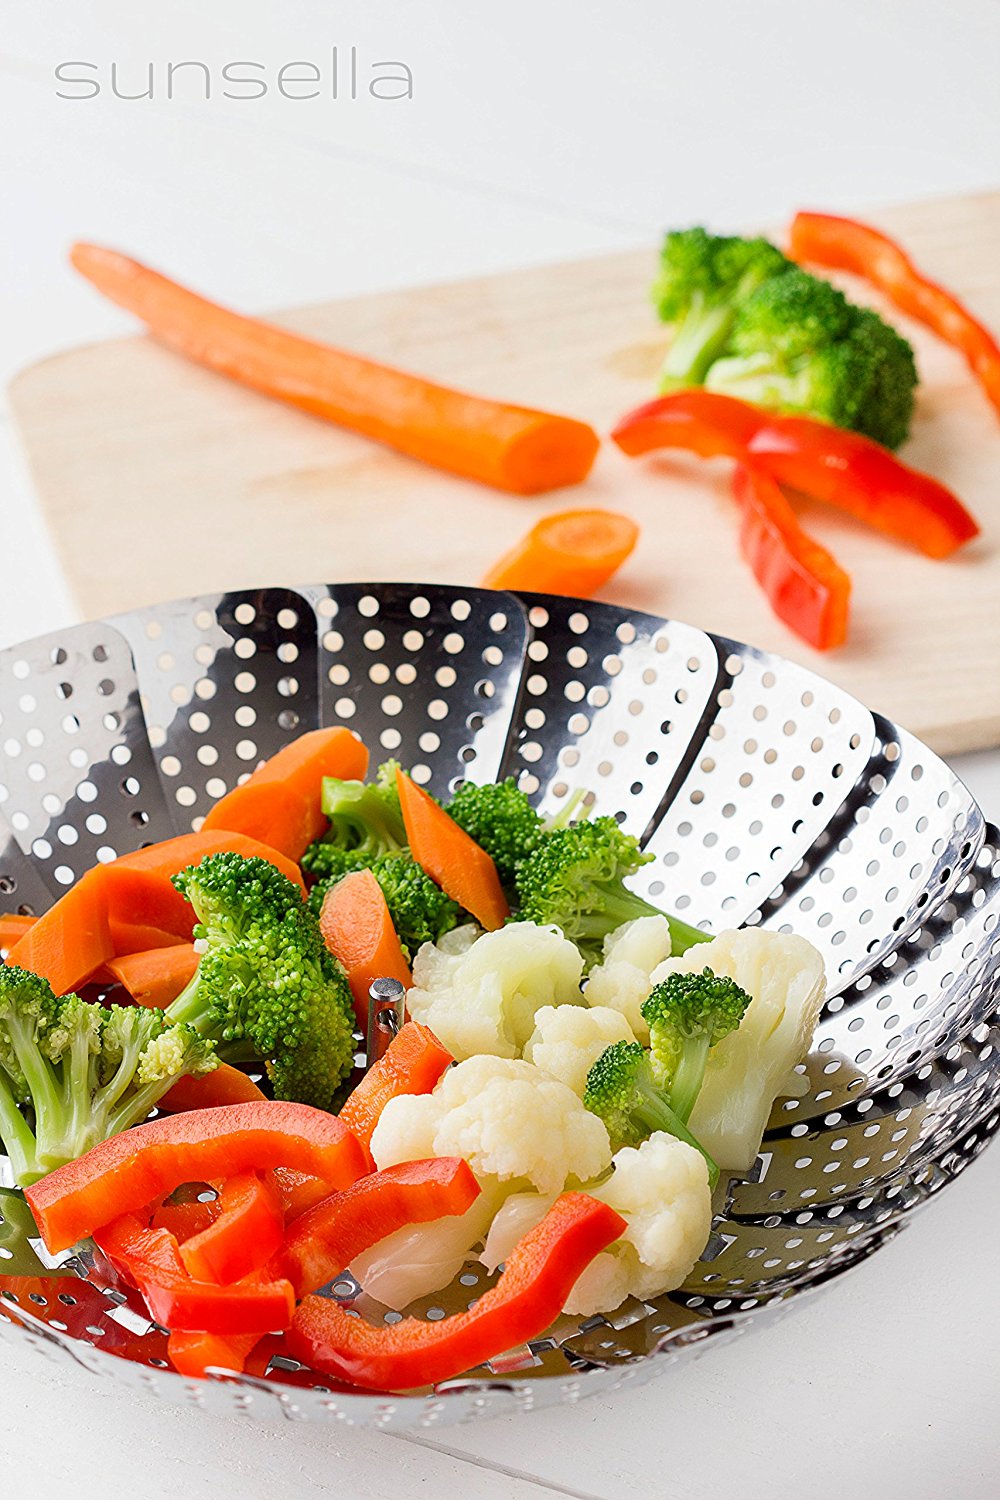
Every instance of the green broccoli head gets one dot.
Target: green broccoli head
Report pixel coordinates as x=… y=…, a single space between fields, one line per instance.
x=687 y=1014
x=502 y=821
x=703 y=279
x=798 y=345
x=622 y=1091
x=575 y=880
x=266 y=985
x=419 y=908
x=73 y=1074
x=365 y=821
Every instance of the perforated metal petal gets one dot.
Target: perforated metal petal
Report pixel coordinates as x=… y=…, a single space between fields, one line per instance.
x=428 y=676
x=765 y=794
x=226 y=680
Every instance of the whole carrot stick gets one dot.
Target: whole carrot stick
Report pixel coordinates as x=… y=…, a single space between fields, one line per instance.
x=573 y=552
x=510 y=447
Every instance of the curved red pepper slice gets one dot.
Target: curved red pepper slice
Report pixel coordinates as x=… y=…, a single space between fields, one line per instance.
x=244 y=1234
x=828 y=463
x=526 y=1299
x=123 y=1174
x=151 y=1260
x=806 y=586
x=322 y=1242
x=845 y=245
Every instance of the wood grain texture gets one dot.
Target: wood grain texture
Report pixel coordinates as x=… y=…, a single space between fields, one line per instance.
x=159 y=479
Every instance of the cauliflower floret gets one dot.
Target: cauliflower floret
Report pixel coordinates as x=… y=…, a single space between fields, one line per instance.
x=746 y=1071
x=507 y=1118
x=622 y=979
x=514 y=1125
x=568 y=1040
x=661 y=1190
x=479 y=994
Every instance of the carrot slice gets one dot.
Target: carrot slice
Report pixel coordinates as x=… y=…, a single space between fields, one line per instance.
x=224 y=1085
x=156 y=976
x=411 y=1064
x=572 y=552
x=281 y=803
x=461 y=868
x=173 y=855
x=144 y=898
x=13 y=926
x=357 y=928
x=512 y=447
x=71 y=939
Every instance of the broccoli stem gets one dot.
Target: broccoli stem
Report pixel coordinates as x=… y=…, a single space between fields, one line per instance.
x=699 y=338
x=757 y=379
x=618 y=905
x=689 y=1075
x=654 y=1113
x=18 y=1141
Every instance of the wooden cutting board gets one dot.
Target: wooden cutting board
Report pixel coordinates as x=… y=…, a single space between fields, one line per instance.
x=159 y=479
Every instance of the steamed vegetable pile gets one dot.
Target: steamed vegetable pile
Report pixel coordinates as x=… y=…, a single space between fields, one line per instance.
x=577 y=1074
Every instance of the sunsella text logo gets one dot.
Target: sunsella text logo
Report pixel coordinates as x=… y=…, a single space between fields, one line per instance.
x=343 y=74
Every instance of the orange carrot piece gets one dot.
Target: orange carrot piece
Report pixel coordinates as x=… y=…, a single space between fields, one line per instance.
x=224 y=1085
x=357 y=928
x=572 y=552
x=144 y=898
x=281 y=803
x=156 y=977
x=411 y=1064
x=462 y=869
x=511 y=447
x=71 y=939
x=172 y=855
x=13 y=926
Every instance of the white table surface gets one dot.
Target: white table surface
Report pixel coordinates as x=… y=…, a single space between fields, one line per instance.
x=537 y=131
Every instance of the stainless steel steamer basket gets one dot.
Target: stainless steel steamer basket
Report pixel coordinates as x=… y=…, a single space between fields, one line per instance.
x=767 y=795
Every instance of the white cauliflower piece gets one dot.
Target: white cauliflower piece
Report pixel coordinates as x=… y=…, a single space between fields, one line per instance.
x=622 y=980
x=785 y=978
x=514 y=1125
x=568 y=1040
x=507 y=1118
x=661 y=1190
x=479 y=993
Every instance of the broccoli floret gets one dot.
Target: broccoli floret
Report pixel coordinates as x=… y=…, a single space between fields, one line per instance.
x=798 y=345
x=502 y=821
x=419 y=908
x=702 y=281
x=575 y=878
x=73 y=1073
x=266 y=986
x=687 y=1014
x=365 y=821
x=622 y=1091
x=328 y=863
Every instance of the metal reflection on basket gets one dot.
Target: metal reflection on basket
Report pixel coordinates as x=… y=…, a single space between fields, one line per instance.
x=767 y=796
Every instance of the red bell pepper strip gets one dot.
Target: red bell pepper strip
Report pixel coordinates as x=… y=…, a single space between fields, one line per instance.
x=806 y=586
x=244 y=1235
x=411 y=1064
x=152 y=1260
x=528 y=1297
x=182 y=1220
x=845 y=245
x=324 y=1241
x=841 y=468
x=298 y=1191
x=195 y=1353
x=123 y=1174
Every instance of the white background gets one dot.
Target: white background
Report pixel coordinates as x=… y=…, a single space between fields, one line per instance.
x=537 y=131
